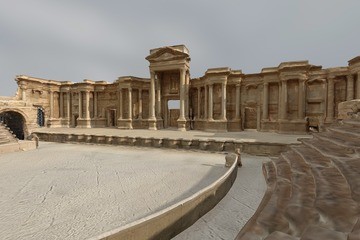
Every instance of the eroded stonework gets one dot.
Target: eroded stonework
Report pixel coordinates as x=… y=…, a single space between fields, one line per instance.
x=289 y=98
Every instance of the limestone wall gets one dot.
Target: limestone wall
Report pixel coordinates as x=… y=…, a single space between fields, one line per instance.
x=288 y=98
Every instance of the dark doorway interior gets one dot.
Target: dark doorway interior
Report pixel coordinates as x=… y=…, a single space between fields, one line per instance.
x=40 y=117
x=15 y=122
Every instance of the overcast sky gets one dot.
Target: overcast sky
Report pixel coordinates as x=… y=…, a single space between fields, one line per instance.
x=102 y=40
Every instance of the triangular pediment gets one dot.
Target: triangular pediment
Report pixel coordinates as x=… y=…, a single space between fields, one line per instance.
x=166 y=54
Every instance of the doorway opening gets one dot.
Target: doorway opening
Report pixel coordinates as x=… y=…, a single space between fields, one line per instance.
x=15 y=121
x=173 y=113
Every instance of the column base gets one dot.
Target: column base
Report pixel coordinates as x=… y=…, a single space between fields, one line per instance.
x=182 y=124
x=83 y=123
x=152 y=124
x=216 y=125
x=124 y=123
x=54 y=123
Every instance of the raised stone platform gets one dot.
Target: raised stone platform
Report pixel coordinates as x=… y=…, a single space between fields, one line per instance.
x=252 y=142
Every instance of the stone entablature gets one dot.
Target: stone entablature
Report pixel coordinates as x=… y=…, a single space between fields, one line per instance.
x=287 y=98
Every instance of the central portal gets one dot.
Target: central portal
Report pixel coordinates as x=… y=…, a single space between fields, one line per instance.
x=169 y=70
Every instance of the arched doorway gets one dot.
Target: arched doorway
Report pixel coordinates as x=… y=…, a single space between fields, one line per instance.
x=15 y=121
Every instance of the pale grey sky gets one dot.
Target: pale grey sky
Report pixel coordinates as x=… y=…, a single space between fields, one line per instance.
x=102 y=40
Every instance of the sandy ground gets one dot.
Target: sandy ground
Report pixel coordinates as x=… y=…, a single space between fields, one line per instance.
x=227 y=218
x=73 y=191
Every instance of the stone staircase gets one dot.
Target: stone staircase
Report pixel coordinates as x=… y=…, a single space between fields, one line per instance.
x=313 y=189
x=6 y=136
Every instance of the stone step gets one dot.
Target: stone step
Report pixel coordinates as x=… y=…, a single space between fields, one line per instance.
x=339 y=139
x=350 y=168
x=338 y=211
x=328 y=148
x=346 y=130
x=351 y=123
x=300 y=210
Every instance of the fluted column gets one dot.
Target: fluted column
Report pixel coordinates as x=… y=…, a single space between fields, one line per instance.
x=358 y=86
x=223 y=101
x=284 y=104
x=330 y=99
x=61 y=99
x=51 y=104
x=301 y=99
x=350 y=88
x=198 y=102
x=211 y=105
x=237 y=102
x=265 y=112
x=140 y=103
x=80 y=104
x=87 y=105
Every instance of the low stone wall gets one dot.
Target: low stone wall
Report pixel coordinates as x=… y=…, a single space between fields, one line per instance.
x=171 y=221
x=212 y=145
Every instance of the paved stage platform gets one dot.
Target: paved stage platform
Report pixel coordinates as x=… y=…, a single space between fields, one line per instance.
x=245 y=136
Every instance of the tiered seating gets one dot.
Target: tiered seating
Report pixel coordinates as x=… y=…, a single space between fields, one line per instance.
x=6 y=135
x=315 y=190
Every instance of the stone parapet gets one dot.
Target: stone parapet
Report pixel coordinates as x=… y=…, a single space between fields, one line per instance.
x=211 y=145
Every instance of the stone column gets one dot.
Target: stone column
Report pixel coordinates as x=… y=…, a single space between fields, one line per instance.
x=87 y=104
x=182 y=94
x=187 y=80
x=350 y=88
x=284 y=104
x=198 y=102
x=158 y=98
x=68 y=106
x=130 y=103
x=61 y=99
x=23 y=92
x=206 y=105
x=330 y=100
x=152 y=96
x=237 y=102
x=301 y=99
x=211 y=105
x=140 y=103
x=223 y=101
x=95 y=104
x=80 y=104
x=120 y=104
x=265 y=112
x=51 y=104
x=152 y=122
x=358 y=86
